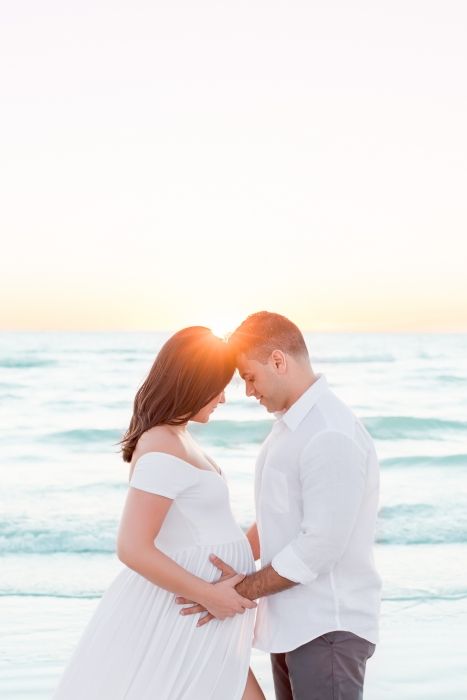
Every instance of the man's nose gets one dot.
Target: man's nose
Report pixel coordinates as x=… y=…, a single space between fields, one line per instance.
x=249 y=390
x=222 y=398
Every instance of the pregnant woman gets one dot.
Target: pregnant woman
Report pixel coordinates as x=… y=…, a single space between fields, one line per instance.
x=138 y=646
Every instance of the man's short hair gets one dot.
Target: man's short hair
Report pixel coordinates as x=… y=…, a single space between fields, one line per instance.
x=263 y=332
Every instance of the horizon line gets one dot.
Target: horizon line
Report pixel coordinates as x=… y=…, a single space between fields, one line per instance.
x=387 y=331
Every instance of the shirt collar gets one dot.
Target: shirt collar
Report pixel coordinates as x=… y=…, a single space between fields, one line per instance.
x=298 y=410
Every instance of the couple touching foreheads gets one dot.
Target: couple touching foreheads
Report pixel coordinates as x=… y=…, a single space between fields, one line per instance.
x=178 y=622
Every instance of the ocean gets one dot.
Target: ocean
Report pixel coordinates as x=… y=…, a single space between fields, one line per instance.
x=66 y=399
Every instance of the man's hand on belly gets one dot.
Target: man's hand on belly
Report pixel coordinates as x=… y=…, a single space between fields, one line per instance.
x=263 y=582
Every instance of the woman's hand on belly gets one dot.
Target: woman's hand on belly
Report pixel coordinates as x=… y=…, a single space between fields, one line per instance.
x=228 y=580
x=222 y=600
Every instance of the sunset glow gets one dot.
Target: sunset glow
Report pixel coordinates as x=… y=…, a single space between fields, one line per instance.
x=183 y=169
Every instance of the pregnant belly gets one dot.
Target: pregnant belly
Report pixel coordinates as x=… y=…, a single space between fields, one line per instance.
x=236 y=554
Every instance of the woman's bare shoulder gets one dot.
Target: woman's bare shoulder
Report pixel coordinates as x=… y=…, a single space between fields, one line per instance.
x=161 y=438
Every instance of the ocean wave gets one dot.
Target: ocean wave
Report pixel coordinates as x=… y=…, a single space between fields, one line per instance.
x=352 y=359
x=83 y=436
x=413 y=597
x=92 y=487
x=407 y=509
x=50 y=594
x=406 y=427
x=450 y=379
x=102 y=351
x=222 y=433
x=456 y=460
x=8 y=396
x=407 y=524
x=422 y=523
x=234 y=433
x=425 y=596
x=79 y=537
x=124 y=351
x=26 y=363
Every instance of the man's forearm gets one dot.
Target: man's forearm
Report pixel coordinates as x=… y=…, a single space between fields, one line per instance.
x=263 y=582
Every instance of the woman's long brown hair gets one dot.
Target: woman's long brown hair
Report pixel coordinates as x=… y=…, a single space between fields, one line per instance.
x=191 y=369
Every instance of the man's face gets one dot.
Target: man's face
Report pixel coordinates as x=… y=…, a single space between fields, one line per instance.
x=263 y=381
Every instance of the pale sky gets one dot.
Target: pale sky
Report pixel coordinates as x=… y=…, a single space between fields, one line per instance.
x=169 y=163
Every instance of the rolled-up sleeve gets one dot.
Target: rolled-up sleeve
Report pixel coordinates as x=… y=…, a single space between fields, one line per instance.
x=332 y=476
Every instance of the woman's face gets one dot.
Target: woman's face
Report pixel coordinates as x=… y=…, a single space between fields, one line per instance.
x=204 y=413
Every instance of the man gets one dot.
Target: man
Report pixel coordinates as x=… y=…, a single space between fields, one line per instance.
x=316 y=489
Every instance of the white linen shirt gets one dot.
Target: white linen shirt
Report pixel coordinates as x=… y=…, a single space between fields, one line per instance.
x=316 y=490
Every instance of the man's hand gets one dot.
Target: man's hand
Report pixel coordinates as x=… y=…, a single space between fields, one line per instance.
x=259 y=583
x=195 y=608
x=255 y=585
x=222 y=600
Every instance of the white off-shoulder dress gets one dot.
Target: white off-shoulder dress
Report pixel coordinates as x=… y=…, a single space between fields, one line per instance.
x=137 y=646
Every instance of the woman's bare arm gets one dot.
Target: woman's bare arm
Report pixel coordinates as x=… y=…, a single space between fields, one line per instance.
x=141 y=521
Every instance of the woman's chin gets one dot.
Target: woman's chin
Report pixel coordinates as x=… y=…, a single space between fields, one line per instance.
x=201 y=419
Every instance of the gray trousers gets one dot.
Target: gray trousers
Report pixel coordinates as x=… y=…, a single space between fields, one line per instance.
x=330 y=667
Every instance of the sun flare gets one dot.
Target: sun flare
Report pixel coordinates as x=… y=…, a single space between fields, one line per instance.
x=223 y=326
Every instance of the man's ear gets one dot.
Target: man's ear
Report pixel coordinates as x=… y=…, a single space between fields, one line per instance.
x=279 y=361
